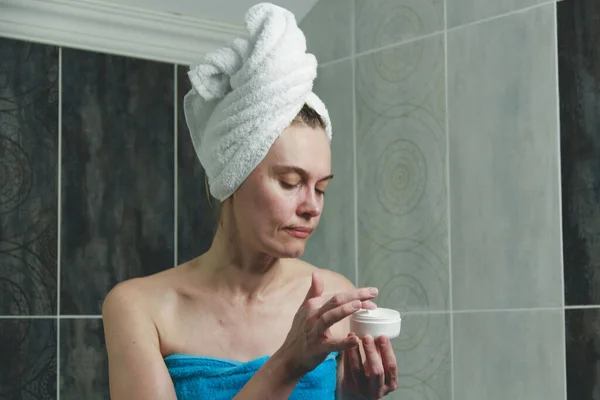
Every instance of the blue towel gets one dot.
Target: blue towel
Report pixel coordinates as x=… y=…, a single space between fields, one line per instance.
x=198 y=378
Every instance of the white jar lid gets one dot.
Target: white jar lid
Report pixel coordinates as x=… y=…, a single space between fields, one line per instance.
x=376 y=315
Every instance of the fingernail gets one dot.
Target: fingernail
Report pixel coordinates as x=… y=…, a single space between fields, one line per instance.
x=374 y=291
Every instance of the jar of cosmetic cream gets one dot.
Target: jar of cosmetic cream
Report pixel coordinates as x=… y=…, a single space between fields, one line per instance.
x=377 y=322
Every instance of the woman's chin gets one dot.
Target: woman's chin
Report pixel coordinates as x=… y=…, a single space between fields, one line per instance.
x=289 y=250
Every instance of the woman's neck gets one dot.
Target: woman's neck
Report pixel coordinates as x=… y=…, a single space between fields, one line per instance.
x=240 y=270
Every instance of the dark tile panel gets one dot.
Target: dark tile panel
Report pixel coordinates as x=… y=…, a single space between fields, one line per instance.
x=83 y=360
x=28 y=177
x=583 y=353
x=118 y=174
x=27 y=359
x=197 y=219
x=579 y=86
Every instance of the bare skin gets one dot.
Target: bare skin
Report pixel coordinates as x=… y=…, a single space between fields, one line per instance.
x=217 y=304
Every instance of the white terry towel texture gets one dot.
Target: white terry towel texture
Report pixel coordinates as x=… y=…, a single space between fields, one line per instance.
x=244 y=96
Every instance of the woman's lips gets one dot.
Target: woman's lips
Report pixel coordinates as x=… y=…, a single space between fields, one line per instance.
x=299 y=232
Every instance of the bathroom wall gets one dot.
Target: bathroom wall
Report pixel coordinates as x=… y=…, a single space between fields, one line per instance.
x=579 y=84
x=469 y=181
x=98 y=183
x=459 y=183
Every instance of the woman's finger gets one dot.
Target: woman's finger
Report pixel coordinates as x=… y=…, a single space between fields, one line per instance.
x=369 y=305
x=355 y=365
x=388 y=359
x=316 y=287
x=373 y=366
x=331 y=317
x=341 y=345
x=361 y=294
x=349 y=380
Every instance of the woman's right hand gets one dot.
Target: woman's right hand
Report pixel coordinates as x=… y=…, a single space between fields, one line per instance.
x=310 y=340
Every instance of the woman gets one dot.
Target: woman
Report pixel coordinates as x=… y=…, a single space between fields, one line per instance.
x=247 y=319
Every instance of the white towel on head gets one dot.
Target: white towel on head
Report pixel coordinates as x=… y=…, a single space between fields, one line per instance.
x=246 y=94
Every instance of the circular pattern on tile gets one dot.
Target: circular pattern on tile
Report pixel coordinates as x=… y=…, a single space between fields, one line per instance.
x=45 y=385
x=401 y=180
x=419 y=391
x=29 y=347
x=27 y=285
x=401 y=174
x=423 y=344
x=47 y=247
x=414 y=281
x=27 y=195
x=392 y=79
x=16 y=177
x=408 y=281
x=411 y=388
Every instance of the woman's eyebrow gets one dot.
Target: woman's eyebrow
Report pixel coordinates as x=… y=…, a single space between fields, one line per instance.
x=298 y=170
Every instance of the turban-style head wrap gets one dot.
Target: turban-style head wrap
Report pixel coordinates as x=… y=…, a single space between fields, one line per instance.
x=246 y=94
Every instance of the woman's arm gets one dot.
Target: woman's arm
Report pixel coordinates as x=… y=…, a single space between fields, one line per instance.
x=135 y=364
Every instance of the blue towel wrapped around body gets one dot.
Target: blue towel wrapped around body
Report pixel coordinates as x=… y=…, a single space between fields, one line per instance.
x=198 y=378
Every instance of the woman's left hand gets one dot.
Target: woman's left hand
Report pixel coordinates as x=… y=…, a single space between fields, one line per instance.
x=373 y=377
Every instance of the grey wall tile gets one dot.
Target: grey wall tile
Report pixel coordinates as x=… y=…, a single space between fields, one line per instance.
x=393 y=82
x=28 y=177
x=462 y=12
x=28 y=359
x=504 y=184
x=401 y=155
x=328 y=30
x=83 y=360
x=509 y=355
x=118 y=177
x=579 y=88
x=332 y=245
x=583 y=353
x=385 y=22
x=197 y=214
x=423 y=354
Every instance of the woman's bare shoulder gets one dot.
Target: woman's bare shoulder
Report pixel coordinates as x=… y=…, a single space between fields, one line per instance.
x=334 y=281
x=143 y=294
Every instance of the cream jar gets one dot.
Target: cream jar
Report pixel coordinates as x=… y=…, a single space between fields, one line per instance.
x=377 y=322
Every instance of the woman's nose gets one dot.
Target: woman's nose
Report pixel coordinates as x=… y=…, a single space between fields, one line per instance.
x=310 y=207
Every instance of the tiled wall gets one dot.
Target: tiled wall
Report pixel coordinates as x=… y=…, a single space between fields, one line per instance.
x=579 y=70
x=457 y=185
x=447 y=193
x=104 y=137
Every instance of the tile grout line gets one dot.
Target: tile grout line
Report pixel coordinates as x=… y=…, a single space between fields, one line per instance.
x=175 y=168
x=398 y=43
x=355 y=55
x=560 y=205
x=506 y=14
x=334 y=62
x=506 y=310
x=581 y=307
x=449 y=230
x=53 y=317
x=404 y=313
x=354 y=149
x=58 y=222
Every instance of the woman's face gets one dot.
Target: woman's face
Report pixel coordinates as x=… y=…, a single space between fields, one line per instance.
x=280 y=203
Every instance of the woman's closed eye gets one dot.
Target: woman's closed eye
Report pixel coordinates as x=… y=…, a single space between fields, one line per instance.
x=288 y=185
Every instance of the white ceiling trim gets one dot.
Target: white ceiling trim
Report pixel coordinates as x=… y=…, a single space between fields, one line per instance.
x=112 y=28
